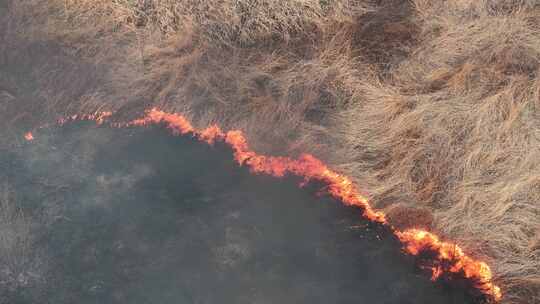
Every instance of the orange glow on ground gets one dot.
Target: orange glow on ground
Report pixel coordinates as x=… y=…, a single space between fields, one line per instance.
x=29 y=136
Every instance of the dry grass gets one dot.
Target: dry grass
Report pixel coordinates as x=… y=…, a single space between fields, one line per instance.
x=432 y=105
x=404 y=217
x=454 y=128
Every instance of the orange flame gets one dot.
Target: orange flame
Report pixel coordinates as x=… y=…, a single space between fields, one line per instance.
x=29 y=136
x=306 y=166
x=448 y=258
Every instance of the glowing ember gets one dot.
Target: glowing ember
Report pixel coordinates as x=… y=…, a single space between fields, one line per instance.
x=98 y=117
x=448 y=258
x=29 y=136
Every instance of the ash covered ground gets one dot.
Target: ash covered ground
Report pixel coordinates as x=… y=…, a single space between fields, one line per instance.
x=138 y=216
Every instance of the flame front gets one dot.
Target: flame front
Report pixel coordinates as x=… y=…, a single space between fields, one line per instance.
x=306 y=166
x=448 y=258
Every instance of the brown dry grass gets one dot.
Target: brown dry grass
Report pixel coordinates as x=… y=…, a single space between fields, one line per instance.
x=432 y=105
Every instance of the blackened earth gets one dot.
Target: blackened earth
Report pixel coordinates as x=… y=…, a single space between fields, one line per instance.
x=140 y=216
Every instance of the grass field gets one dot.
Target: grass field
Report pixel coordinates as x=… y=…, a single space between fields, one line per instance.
x=433 y=107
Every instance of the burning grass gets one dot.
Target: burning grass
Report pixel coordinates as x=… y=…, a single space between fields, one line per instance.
x=432 y=107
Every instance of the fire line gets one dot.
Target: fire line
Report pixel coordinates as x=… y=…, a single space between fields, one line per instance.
x=445 y=258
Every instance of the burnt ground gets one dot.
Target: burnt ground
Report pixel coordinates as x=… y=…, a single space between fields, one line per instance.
x=139 y=216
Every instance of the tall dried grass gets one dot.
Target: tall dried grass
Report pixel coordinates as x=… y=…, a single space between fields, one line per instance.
x=454 y=128
x=432 y=106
